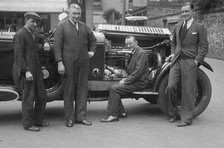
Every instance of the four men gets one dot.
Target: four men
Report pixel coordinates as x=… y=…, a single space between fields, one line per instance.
x=75 y=44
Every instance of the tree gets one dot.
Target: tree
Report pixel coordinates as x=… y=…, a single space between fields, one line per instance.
x=112 y=15
x=206 y=5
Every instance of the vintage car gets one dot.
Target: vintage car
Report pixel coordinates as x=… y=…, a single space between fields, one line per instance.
x=107 y=66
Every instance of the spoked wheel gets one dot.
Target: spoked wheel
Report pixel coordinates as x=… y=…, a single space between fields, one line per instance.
x=52 y=79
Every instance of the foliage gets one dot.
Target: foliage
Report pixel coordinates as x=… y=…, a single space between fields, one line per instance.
x=206 y=5
x=111 y=15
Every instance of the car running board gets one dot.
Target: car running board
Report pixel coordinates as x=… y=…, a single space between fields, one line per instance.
x=145 y=93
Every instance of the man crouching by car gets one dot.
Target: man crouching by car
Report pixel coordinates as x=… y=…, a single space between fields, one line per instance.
x=137 y=79
x=28 y=76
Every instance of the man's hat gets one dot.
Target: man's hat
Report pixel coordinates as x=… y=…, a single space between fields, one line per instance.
x=32 y=15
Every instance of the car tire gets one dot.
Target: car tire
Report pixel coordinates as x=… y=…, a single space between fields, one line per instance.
x=204 y=93
x=162 y=101
x=202 y=100
x=55 y=92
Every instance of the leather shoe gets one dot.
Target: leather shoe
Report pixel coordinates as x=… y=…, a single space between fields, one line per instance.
x=123 y=115
x=84 y=122
x=109 y=119
x=182 y=124
x=32 y=129
x=43 y=124
x=69 y=123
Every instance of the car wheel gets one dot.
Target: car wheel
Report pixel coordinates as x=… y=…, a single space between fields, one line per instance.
x=52 y=80
x=162 y=101
x=204 y=93
x=203 y=97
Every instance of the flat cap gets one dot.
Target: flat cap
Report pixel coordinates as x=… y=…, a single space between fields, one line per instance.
x=32 y=15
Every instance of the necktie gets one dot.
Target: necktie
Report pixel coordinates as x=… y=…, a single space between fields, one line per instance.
x=183 y=31
x=185 y=26
x=130 y=58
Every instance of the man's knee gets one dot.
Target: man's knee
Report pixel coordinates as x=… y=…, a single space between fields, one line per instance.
x=113 y=88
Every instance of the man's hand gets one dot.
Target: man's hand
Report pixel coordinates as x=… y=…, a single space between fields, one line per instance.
x=91 y=53
x=61 y=68
x=169 y=58
x=29 y=76
x=122 y=81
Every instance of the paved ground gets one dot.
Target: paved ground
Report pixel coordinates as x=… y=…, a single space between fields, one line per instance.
x=146 y=125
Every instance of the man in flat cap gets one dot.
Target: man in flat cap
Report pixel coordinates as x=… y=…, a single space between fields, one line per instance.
x=74 y=45
x=28 y=76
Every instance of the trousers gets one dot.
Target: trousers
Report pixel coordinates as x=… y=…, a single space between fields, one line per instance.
x=75 y=86
x=33 y=102
x=115 y=106
x=185 y=72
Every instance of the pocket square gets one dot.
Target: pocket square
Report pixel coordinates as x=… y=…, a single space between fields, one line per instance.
x=194 y=32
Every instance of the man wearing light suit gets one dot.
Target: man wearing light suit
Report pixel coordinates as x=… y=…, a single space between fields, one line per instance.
x=189 y=47
x=137 y=79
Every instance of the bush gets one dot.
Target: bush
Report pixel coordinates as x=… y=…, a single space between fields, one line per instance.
x=111 y=15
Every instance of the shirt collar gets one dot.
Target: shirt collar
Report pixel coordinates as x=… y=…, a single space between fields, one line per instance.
x=28 y=29
x=75 y=24
x=133 y=51
x=189 y=22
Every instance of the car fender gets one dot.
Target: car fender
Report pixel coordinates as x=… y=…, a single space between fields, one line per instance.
x=206 y=65
x=162 y=71
x=165 y=70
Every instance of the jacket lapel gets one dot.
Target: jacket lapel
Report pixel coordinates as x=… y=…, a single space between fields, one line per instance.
x=178 y=32
x=28 y=33
x=133 y=59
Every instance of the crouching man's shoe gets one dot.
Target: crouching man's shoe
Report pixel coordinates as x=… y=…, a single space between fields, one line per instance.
x=32 y=129
x=84 y=122
x=109 y=119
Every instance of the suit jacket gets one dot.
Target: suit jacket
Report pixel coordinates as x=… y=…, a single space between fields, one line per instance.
x=137 y=68
x=70 y=41
x=195 y=44
x=26 y=56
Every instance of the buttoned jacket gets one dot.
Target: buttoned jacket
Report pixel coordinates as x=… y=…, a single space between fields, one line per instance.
x=195 y=44
x=137 y=68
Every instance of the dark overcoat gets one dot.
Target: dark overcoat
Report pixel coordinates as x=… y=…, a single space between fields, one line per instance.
x=26 y=58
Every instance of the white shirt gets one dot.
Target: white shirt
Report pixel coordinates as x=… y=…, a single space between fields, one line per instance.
x=189 y=22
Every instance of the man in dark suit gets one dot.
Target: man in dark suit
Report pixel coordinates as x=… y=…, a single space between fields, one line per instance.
x=189 y=47
x=137 y=79
x=27 y=74
x=75 y=43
